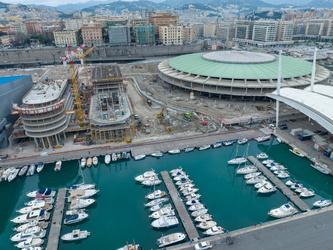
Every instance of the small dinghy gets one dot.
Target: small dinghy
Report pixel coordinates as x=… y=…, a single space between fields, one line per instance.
x=107 y=159
x=58 y=166
x=40 y=166
x=95 y=160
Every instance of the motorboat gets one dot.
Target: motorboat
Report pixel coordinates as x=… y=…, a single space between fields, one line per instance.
x=179 y=177
x=278 y=167
x=31 y=170
x=139 y=157
x=189 y=191
x=307 y=193
x=157 y=154
x=145 y=175
x=89 y=162
x=114 y=157
x=183 y=181
x=33 y=215
x=48 y=200
x=174 y=151
x=185 y=186
x=297 y=152
x=296 y=185
x=301 y=189
x=76 y=234
x=107 y=159
x=272 y=164
x=83 y=162
x=199 y=212
x=58 y=166
x=262 y=155
x=131 y=247
x=13 y=174
x=30 y=242
x=320 y=167
x=82 y=194
x=192 y=196
x=228 y=143
x=23 y=170
x=263 y=138
x=268 y=161
x=40 y=166
x=247 y=170
x=80 y=203
x=180 y=169
x=38 y=205
x=283 y=211
x=34 y=232
x=283 y=174
x=43 y=192
x=170 y=239
x=192 y=202
x=159 y=206
x=206 y=224
x=261 y=184
x=75 y=211
x=268 y=188
x=156 y=201
x=196 y=207
x=251 y=175
x=165 y=221
x=204 y=147
x=291 y=182
x=174 y=174
x=188 y=149
x=214 y=231
x=166 y=211
x=242 y=141
x=95 y=160
x=255 y=180
x=151 y=182
x=238 y=160
x=203 y=217
x=322 y=203
x=156 y=194
x=4 y=174
x=71 y=219
x=217 y=145
x=32 y=223
x=82 y=186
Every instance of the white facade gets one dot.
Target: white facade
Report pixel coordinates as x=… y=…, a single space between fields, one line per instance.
x=171 y=35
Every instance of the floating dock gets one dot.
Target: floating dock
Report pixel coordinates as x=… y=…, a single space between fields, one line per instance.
x=280 y=185
x=53 y=240
x=190 y=229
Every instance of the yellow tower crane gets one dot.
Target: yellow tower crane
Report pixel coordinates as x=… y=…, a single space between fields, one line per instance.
x=79 y=111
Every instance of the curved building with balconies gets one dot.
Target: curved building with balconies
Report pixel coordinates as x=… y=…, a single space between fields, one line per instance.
x=237 y=74
x=43 y=112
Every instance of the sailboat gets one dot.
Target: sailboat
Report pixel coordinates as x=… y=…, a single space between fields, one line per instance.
x=238 y=159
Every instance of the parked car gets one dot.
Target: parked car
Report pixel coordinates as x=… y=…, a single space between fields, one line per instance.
x=323 y=133
x=317 y=131
x=283 y=127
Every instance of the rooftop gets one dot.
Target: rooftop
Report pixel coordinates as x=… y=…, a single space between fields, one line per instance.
x=7 y=79
x=234 y=56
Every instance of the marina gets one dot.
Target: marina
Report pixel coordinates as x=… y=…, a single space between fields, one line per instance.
x=280 y=185
x=183 y=214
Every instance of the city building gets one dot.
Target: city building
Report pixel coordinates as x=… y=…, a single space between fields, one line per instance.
x=33 y=28
x=65 y=38
x=43 y=113
x=119 y=35
x=171 y=35
x=189 y=35
x=73 y=23
x=110 y=114
x=92 y=34
x=163 y=19
x=12 y=89
x=144 y=35
x=237 y=74
x=7 y=40
x=209 y=30
x=264 y=31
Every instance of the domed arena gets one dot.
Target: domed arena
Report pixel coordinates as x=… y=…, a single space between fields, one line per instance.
x=237 y=74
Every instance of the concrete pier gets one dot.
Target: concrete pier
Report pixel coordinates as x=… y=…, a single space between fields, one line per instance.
x=280 y=185
x=190 y=229
x=53 y=240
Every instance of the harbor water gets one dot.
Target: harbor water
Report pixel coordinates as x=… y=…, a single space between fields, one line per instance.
x=119 y=215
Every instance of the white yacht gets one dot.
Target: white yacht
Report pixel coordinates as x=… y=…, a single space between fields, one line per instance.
x=184 y=187
x=196 y=207
x=155 y=195
x=31 y=223
x=40 y=166
x=192 y=196
x=283 y=211
x=165 y=221
x=174 y=174
x=247 y=170
x=192 y=202
x=139 y=157
x=180 y=169
x=307 y=193
x=82 y=186
x=75 y=235
x=170 y=239
x=81 y=194
x=189 y=191
x=80 y=203
x=268 y=188
x=267 y=162
x=261 y=184
x=206 y=224
x=58 y=166
x=159 y=206
x=151 y=182
x=199 y=212
x=320 y=167
x=114 y=157
x=291 y=182
x=203 y=217
x=217 y=145
x=107 y=159
x=322 y=203
x=145 y=175
x=33 y=215
x=75 y=211
x=130 y=247
x=203 y=147
x=238 y=160
x=23 y=170
x=278 y=167
x=242 y=141
x=48 y=200
x=13 y=174
x=74 y=218
x=214 y=231
x=174 y=151
x=251 y=175
x=183 y=181
x=255 y=180
x=262 y=155
x=31 y=170
x=95 y=160
x=164 y=211
x=156 y=202
x=37 y=205
x=83 y=162
x=43 y=192
x=228 y=143
x=157 y=154
x=30 y=242
x=179 y=177
x=34 y=232
x=283 y=174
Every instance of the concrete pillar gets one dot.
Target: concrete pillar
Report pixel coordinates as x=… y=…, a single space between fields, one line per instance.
x=64 y=134
x=43 y=143
x=56 y=137
x=36 y=142
x=313 y=74
x=48 y=140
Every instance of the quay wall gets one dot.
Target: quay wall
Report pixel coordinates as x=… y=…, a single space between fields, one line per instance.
x=41 y=56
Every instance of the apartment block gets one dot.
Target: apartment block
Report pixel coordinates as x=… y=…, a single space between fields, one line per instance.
x=65 y=38
x=73 y=23
x=171 y=35
x=92 y=34
x=119 y=35
x=144 y=35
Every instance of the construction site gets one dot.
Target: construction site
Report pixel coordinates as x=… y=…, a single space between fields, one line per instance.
x=122 y=103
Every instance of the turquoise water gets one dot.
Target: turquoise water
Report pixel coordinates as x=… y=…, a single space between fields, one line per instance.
x=118 y=214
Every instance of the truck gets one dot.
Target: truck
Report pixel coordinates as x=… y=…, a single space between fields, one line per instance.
x=304 y=137
x=147 y=127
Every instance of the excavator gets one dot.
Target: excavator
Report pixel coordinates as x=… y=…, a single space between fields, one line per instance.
x=161 y=114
